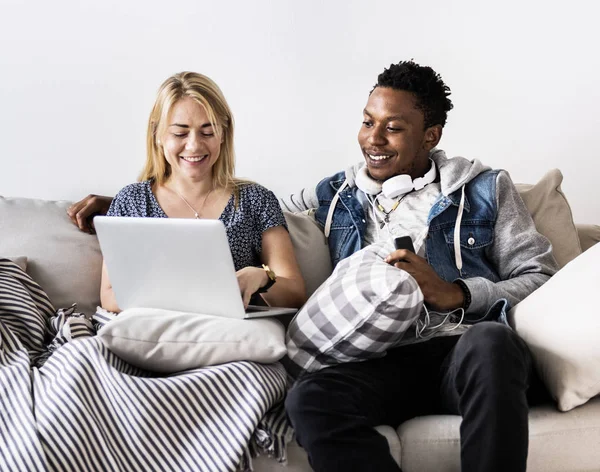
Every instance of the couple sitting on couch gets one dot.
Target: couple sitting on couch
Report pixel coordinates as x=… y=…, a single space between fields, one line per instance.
x=476 y=249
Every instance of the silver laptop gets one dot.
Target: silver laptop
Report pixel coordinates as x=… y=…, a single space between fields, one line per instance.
x=175 y=264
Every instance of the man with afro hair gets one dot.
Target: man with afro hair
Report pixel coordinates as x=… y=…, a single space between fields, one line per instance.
x=477 y=251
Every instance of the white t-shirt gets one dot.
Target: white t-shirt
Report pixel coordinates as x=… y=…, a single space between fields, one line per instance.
x=408 y=219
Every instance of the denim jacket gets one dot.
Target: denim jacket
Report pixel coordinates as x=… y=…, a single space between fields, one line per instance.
x=501 y=263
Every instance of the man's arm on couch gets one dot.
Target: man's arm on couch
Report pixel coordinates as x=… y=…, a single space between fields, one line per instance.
x=300 y=201
x=82 y=212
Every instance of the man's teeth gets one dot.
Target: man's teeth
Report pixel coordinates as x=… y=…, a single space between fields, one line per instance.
x=378 y=158
x=192 y=159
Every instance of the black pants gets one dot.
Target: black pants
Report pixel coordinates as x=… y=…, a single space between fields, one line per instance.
x=483 y=375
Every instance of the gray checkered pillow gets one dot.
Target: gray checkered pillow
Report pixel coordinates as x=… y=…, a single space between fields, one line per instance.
x=362 y=310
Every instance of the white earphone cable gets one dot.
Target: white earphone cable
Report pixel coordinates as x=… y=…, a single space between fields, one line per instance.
x=423 y=330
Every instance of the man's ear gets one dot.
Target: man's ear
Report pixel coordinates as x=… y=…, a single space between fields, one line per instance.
x=433 y=134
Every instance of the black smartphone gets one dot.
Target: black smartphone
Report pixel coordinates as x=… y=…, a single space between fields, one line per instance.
x=404 y=242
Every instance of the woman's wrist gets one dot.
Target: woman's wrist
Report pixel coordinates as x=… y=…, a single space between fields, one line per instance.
x=264 y=280
x=270 y=279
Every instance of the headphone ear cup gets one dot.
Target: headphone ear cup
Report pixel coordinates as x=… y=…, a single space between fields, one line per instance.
x=397 y=186
x=401 y=184
x=366 y=183
x=394 y=186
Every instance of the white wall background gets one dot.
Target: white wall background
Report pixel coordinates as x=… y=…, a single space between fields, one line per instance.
x=78 y=79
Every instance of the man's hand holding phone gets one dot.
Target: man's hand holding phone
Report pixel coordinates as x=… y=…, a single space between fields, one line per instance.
x=438 y=293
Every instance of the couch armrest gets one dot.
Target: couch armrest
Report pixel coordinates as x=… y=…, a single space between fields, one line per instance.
x=588 y=235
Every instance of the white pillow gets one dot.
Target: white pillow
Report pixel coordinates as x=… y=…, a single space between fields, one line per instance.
x=171 y=341
x=360 y=312
x=560 y=322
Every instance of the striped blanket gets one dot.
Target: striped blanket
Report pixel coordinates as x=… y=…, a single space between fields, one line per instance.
x=67 y=403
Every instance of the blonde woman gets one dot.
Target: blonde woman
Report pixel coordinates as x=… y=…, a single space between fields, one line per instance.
x=189 y=173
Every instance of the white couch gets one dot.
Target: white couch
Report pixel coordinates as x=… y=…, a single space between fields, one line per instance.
x=67 y=263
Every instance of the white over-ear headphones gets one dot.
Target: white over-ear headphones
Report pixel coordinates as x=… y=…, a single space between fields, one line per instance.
x=394 y=186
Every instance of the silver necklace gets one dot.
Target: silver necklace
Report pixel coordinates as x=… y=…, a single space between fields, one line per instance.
x=196 y=215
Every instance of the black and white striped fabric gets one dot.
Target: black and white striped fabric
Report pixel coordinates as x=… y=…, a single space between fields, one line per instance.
x=362 y=310
x=67 y=403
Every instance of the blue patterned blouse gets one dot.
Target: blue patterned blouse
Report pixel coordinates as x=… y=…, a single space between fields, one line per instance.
x=257 y=211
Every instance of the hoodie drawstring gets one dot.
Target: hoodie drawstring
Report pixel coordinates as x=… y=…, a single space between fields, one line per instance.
x=457 y=254
x=334 y=200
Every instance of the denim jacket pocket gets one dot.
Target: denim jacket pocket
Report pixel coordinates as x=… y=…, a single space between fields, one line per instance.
x=474 y=240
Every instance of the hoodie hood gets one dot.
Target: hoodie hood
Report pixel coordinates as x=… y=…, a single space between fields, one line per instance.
x=454 y=172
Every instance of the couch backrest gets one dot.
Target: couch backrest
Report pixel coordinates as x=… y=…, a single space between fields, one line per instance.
x=311 y=249
x=67 y=263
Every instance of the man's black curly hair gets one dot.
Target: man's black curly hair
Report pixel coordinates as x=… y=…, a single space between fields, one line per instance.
x=425 y=84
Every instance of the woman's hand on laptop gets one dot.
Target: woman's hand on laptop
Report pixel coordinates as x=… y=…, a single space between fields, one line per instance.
x=250 y=280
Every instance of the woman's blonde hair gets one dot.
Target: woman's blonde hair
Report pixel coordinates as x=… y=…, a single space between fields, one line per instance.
x=208 y=94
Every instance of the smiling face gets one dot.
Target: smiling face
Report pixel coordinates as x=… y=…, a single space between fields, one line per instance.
x=393 y=138
x=190 y=143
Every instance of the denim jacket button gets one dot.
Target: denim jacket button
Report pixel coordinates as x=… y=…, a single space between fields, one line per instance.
x=470 y=241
